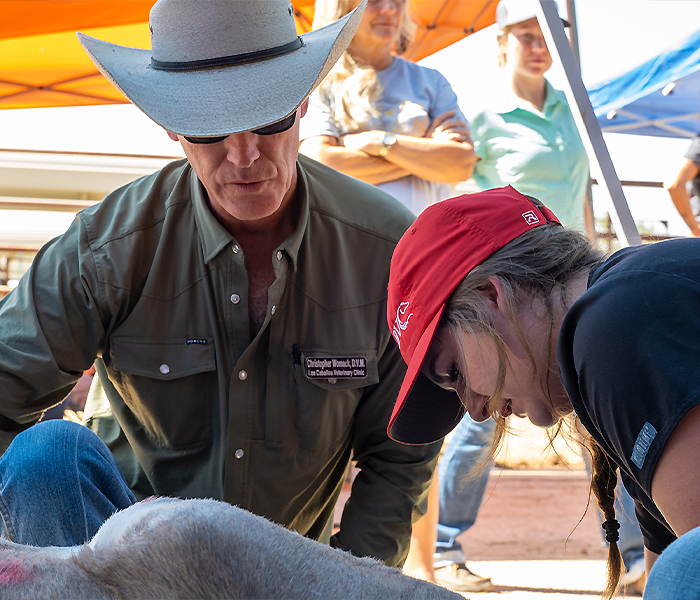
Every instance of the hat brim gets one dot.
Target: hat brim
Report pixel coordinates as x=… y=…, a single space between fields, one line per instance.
x=424 y=412
x=223 y=100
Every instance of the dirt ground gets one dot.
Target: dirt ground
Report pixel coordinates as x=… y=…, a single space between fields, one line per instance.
x=536 y=504
x=534 y=515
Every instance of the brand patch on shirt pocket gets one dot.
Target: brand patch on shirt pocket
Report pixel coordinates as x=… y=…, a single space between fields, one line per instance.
x=164 y=359
x=170 y=386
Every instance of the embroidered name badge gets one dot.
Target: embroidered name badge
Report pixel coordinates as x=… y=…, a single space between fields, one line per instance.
x=641 y=446
x=196 y=341
x=323 y=367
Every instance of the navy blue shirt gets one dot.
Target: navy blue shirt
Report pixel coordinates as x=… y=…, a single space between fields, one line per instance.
x=629 y=358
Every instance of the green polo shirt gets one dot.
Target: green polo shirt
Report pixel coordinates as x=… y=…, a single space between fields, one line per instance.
x=538 y=153
x=153 y=286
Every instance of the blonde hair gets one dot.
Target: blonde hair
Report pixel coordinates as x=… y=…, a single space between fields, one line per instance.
x=537 y=264
x=502 y=38
x=352 y=89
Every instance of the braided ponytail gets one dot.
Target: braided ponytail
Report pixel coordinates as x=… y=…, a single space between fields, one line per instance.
x=603 y=483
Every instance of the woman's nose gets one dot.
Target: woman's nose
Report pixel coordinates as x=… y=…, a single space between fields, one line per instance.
x=389 y=6
x=539 y=44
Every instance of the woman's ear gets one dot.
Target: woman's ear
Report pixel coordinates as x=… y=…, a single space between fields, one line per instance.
x=493 y=290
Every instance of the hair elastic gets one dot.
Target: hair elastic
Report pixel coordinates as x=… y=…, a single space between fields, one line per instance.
x=611 y=527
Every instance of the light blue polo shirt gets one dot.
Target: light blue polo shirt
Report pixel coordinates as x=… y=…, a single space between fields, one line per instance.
x=538 y=153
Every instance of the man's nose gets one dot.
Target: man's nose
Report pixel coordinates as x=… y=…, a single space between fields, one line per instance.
x=242 y=149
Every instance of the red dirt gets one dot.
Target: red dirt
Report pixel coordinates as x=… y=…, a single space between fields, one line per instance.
x=528 y=515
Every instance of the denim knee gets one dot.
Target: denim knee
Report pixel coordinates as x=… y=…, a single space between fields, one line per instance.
x=676 y=573
x=32 y=454
x=58 y=483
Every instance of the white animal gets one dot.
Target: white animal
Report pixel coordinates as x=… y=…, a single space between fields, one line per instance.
x=169 y=548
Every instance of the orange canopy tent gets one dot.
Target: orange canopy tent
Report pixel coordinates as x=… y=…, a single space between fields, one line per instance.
x=42 y=64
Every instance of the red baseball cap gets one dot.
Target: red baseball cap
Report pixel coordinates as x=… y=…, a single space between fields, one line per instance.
x=432 y=258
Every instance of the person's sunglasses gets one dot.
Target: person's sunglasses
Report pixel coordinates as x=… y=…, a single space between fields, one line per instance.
x=272 y=129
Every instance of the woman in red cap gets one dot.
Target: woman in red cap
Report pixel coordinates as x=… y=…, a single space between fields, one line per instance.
x=499 y=310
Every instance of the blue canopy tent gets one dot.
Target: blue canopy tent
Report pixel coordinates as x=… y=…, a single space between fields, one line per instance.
x=660 y=97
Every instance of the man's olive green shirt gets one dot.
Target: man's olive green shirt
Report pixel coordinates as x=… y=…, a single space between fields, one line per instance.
x=153 y=286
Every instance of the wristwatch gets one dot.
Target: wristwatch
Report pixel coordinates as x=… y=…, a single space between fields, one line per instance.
x=388 y=141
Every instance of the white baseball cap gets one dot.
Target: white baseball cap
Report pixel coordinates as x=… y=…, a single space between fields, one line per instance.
x=512 y=12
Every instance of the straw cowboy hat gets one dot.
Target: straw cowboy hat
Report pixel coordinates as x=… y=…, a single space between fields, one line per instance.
x=222 y=66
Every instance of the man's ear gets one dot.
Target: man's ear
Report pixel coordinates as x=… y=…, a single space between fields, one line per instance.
x=173 y=136
x=303 y=108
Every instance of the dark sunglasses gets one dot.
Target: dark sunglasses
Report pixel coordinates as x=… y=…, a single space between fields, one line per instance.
x=272 y=129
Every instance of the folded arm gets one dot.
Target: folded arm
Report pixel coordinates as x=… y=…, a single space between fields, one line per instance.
x=445 y=153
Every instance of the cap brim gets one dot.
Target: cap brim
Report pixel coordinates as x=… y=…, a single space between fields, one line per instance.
x=223 y=100
x=424 y=412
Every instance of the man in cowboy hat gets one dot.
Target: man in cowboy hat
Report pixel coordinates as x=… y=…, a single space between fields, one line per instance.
x=234 y=302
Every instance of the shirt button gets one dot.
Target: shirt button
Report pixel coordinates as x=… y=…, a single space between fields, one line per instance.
x=235 y=298
x=242 y=375
x=165 y=369
x=273 y=309
x=235 y=248
x=332 y=380
x=279 y=255
x=239 y=453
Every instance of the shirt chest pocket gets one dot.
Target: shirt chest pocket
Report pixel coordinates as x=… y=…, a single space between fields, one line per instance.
x=328 y=390
x=169 y=385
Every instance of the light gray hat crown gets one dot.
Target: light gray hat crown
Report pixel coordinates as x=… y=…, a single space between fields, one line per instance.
x=192 y=30
x=218 y=67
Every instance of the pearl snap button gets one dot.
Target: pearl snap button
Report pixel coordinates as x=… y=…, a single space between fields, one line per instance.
x=242 y=375
x=279 y=255
x=273 y=309
x=332 y=380
x=165 y=369
x=235 y=248
x=239 y=453
x=235 y=298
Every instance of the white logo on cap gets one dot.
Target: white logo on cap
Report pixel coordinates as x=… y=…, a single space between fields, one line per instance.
x=531 y=218
x=399 y=325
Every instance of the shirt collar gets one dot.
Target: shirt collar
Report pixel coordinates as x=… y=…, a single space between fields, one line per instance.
x=505 y=100
x=292 y=244
x=215 y=238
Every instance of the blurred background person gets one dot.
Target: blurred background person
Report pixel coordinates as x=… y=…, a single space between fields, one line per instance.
x=526 y=138
x=383 y=119
x=684 y=188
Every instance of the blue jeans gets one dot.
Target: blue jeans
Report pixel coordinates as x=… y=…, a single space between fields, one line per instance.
x=461 y=496
x=58 y=484
x=676 y=573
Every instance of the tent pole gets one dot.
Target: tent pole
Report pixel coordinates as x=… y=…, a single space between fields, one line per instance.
x=573 y=30
x=586 y=122
x=588 y=214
